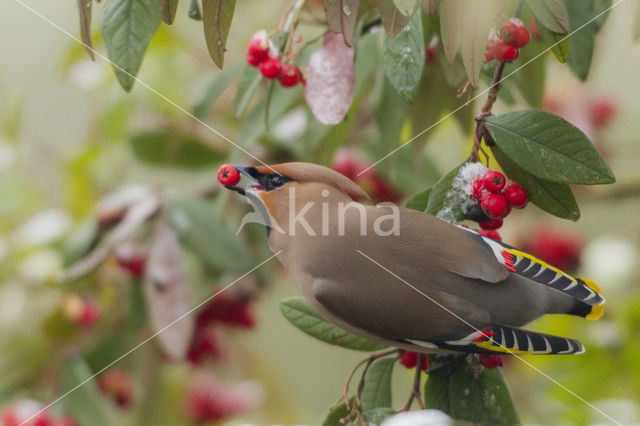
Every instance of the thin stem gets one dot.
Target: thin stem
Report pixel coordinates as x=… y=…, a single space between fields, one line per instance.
x=478 y=132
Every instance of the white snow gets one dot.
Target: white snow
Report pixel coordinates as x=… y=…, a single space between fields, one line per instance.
x=460 y=192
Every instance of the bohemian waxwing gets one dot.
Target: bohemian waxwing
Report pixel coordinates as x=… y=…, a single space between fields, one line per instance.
x=406 y=278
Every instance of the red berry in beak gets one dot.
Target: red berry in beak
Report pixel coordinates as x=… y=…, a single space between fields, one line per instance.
x=228 y=175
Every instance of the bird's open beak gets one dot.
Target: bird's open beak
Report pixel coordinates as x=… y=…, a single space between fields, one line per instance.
x=252 y=173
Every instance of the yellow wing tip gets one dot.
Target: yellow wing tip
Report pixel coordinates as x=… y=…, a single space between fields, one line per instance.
x=596 y=312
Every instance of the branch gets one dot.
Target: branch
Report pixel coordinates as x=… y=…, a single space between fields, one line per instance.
x=479 y=130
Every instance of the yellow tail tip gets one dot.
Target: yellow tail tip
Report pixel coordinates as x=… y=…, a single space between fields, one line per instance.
x=593 y=286
x=596 y=312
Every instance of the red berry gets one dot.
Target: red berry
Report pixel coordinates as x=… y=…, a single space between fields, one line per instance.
x=516 y=195
x=205 y=345
x=494 y=205
x=491 y=224
x=477 y=188
x=505 y=51
x=90 y=315
x=117 y=385
x=132 y=258
x=258 y=49
x=270 y=67
x=290 y=75
x=522 y=37
x=491 y=361
x=252 y=60
x=494 y=181
x=561 y=249
x=9 y=418
x=431 y=53
x=489 y=55
x=490 y=234
x=508 y=31
x=346 y=163
x=410 y=359
x=42 y=419
x=228 y=175
x=228 y=309
x=601 y=112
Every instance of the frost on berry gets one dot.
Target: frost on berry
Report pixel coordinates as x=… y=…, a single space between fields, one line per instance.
x=461 y=191
x=331 y=80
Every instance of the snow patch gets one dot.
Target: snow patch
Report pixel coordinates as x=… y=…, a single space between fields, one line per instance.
x=460 y=193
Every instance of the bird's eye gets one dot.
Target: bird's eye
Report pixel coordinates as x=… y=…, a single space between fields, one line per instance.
x=276 y=181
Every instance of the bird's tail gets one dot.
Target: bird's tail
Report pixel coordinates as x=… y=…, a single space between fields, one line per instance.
x=585 y=310
x=515 y=341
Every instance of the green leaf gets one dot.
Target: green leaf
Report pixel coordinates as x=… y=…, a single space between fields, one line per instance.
x=342 y=16
x=208 y=236
x=403 y=59
x=299 y=313
x=194 y=11
x=558 y=42
x=377 y=386
x=554 y=198
x=205 y=103
x=85 y=403
x=480 y=396
x=84 y=15
x=392 y=20
x=249 y=81
x=450 y=29
x=419 y=201
x=338 y=413
x=217 y=16
x=529 y=80
x=582 y=40
x=438 y=196
x=474 y=21
x=436 y=389
x=551 y=13
x=549 y=147
x=127 y=28
x=169 y=8
x=173 y=148
x=406 y=7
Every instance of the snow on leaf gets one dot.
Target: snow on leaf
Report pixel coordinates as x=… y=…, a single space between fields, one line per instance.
x=331 y=80
x=167 y=293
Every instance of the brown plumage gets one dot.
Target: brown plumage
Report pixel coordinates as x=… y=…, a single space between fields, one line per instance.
x=407 y=278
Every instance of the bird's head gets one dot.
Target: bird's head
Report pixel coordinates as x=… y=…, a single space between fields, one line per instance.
x=275 y=187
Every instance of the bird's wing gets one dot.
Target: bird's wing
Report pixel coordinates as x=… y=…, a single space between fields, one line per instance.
x=389 y=308
x=530 y=267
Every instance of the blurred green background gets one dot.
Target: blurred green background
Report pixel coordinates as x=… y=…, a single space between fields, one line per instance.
x=64 y=144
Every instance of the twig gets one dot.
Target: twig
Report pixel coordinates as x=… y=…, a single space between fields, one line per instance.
x=479 y=130
x=415 y=391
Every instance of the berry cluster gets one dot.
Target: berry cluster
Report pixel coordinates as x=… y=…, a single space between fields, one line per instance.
x=79 y=311
x=492 y=198
x=116 y=384
x=504 y=45
x=18 y=414
x=348 y=164
x=262 y=54
x=560 y=248
x=226 y=309
x=410 y=359
x=131 y=258
x=207 y=400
